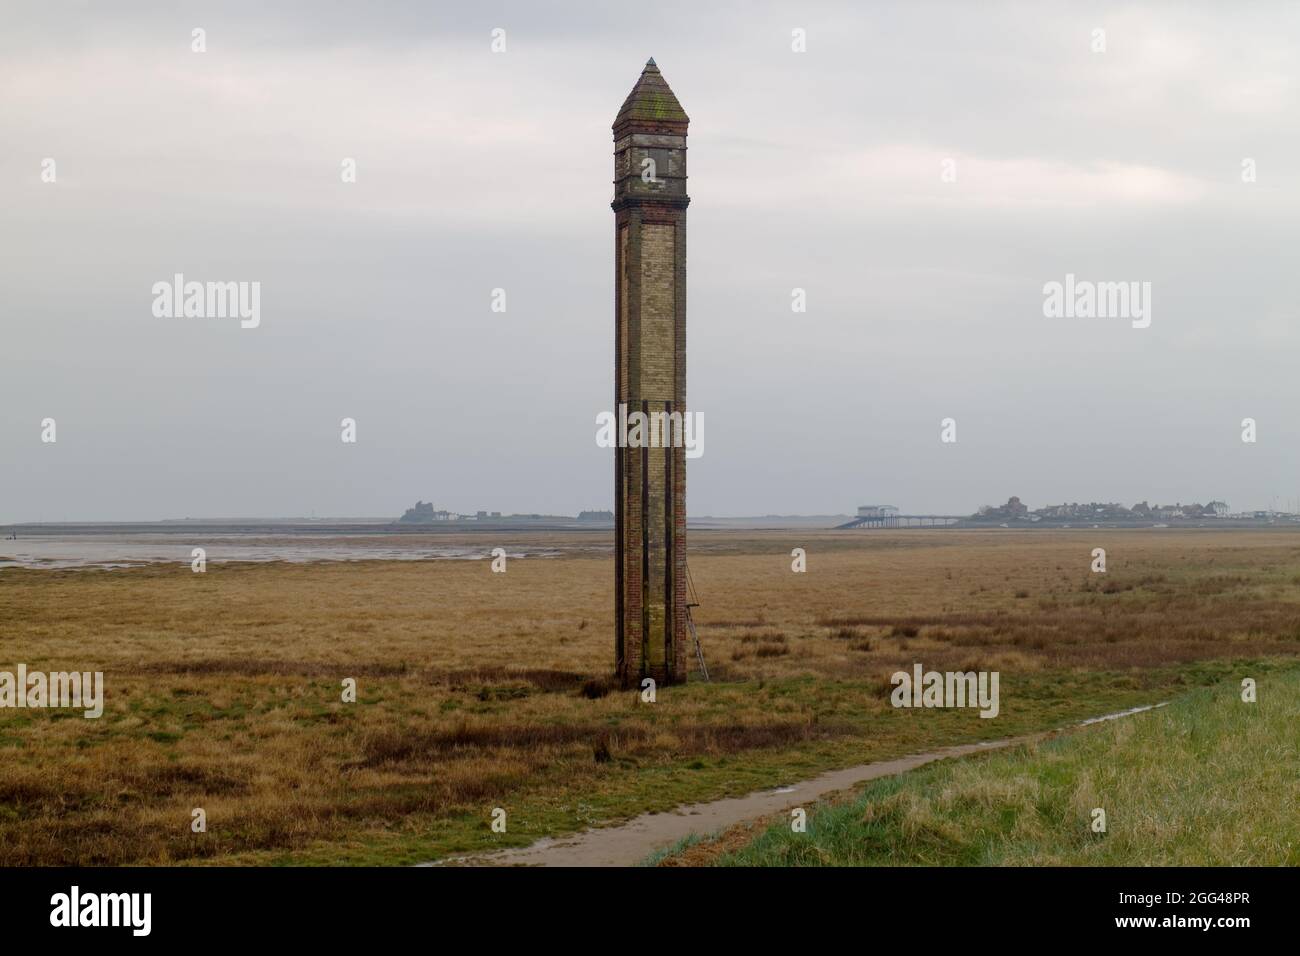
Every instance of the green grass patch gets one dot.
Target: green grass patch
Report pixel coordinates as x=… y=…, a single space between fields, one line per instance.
x=1207 y=781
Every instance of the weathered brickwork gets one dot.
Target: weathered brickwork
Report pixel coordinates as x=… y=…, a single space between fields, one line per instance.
x=651 y=637
x=658 y=313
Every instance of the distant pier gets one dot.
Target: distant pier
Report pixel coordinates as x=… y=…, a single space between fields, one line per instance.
x=901 y=521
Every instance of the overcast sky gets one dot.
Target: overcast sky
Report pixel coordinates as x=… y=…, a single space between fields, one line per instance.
x=820 y=170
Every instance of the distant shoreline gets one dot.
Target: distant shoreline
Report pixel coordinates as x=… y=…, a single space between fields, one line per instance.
x=347 y=526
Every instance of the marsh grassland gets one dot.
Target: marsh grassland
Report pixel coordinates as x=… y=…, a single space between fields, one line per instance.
x=479 y=690
x=1207 y=781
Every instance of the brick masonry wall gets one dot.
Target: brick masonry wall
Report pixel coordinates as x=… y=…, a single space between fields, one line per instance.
x=652 y=637
x=658 y=312
x=658 y=365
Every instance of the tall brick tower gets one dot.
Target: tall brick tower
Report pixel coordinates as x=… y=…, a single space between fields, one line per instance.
x=650 y=376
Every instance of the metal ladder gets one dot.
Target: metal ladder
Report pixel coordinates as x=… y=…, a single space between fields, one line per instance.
x=694 y=601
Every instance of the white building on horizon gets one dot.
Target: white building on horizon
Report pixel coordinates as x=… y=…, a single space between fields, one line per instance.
x=877 y=511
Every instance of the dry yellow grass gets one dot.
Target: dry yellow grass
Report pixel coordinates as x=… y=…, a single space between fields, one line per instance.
x=479 y=689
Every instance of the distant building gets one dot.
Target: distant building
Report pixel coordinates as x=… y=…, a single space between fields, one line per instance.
x=876 y=511
x=1218 y=507
x=423 y=512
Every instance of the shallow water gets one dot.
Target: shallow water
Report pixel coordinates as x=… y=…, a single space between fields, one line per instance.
x=131 y=550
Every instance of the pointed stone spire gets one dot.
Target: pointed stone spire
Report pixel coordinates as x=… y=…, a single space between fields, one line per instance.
x=651 y=105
